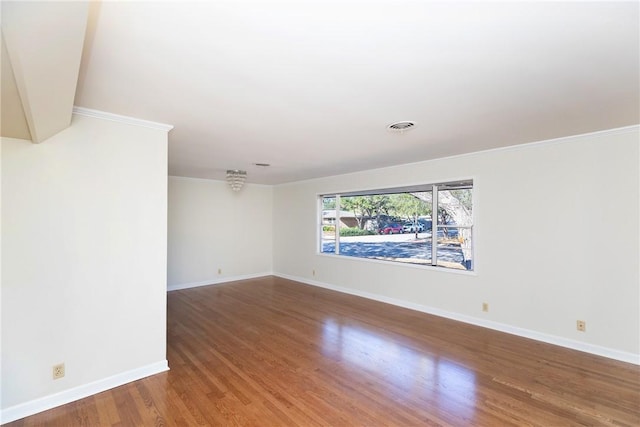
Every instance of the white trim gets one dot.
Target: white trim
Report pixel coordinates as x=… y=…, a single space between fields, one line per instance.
x=87 y=112
x=216 y=281
x=560 y=140
x=513 y=330
x=62 y=398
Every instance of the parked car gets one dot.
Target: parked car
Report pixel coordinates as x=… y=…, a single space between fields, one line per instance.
x=411 y=227
x=426 y=223
x=392 y=228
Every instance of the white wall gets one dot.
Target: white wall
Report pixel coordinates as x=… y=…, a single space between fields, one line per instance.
x=211 y=227
x=556 y=227
x=83 y=261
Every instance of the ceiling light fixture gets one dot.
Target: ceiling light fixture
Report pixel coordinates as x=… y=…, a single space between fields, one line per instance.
x=236 y=178
x=401 y=126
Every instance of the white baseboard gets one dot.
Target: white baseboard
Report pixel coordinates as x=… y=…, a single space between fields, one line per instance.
x=513 y=330
x=216 y=281
x=47 y=402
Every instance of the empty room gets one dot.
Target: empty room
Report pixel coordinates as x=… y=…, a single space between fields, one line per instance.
x=320 y=213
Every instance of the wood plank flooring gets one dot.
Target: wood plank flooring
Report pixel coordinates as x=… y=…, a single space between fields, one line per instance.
x=273 y=352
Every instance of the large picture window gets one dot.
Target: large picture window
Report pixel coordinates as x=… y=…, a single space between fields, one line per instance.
x=429 y=224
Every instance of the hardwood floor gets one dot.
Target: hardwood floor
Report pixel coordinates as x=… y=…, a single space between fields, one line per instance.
x=271 y=352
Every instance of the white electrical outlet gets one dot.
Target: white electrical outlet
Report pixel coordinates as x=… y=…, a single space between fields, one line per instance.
x=58 y=371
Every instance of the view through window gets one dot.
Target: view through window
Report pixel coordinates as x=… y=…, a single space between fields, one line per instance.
x=429 y=224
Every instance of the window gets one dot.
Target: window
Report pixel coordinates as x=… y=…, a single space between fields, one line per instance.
x=429 y=224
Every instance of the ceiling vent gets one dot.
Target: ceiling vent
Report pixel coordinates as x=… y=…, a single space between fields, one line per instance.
x=401 y=126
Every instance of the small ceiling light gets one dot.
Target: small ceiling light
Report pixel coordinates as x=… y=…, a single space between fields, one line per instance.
x=401 y=126
x=236 y=178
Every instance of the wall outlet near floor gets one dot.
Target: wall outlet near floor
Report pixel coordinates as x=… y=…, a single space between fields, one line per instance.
x=313 y=272
x=219 y=271
x=58 y=371
x=581 y=325
x=485 y=306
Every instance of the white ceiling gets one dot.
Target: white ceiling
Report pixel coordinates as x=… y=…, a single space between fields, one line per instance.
x=309 y=85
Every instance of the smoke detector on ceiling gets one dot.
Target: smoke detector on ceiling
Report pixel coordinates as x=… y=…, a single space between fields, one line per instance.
x=401 y=126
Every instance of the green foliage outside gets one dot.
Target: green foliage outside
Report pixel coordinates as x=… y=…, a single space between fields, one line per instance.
x=464 y=197
x=376 y=207
x=366 y=207
x=409 y=206
x=329 y=203
x=399 y=207
x=354 y=231
x=328 y=228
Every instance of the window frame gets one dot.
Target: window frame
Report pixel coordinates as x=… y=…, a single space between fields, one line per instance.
x=434 y=189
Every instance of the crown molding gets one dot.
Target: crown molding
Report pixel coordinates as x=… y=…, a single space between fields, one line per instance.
x=87 y=112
